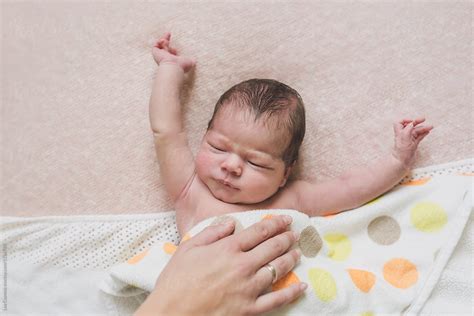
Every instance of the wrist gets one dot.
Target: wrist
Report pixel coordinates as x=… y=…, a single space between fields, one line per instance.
x=169 y=64
x=169 y=74
x=151 y=307
x=399 y=163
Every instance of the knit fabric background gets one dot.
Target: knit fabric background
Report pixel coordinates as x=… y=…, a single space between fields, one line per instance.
x=77 y=78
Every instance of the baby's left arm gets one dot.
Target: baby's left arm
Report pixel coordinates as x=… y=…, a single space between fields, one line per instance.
x=360 y=185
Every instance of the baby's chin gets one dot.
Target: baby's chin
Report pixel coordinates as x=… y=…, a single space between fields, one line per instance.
x=232 y=198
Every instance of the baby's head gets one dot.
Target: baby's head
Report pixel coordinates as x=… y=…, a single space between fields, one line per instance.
x=252 y=141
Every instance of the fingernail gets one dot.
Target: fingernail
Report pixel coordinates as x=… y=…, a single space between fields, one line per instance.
x=287 y=219
x=303 y=286
x=297 y=235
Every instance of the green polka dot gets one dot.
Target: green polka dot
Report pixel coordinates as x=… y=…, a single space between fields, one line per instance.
x=339 y=246
x=428 y=217
x=323 y=284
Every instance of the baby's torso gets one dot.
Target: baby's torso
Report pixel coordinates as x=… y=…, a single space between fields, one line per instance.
x=197 y=204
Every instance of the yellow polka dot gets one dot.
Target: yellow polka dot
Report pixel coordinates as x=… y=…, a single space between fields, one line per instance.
x=364 y=280
x=286 y=281
x=367 y=314
x=323 y=284
x=428 y=217
x=373 y=201
x=169 y=248
x=417 y=182
x=138 y=257
x=339 y=246
x=400 y=273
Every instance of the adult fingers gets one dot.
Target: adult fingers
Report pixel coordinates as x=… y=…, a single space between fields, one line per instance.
x=210 y=235
x=282 y=265
x=261 y=231
x=272 y=248
x=272 y=300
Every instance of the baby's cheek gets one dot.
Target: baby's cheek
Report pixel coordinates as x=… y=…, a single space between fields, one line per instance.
x=203 y=163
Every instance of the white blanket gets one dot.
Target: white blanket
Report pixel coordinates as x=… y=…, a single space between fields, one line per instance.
x=52 y=265
x=384 y=257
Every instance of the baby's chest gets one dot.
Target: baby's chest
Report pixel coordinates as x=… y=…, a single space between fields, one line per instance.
x=209 y=207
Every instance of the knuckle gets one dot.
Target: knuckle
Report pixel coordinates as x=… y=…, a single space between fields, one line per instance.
x=263 y=231
x=242 y=267
x=280 y=245
x=287 y=264
x=282 y=298
x=249 y=311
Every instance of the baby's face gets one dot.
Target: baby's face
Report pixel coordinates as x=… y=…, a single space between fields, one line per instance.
x=240 y=160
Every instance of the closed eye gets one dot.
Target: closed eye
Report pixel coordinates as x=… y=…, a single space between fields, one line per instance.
x=216 y=148
x=257 y=165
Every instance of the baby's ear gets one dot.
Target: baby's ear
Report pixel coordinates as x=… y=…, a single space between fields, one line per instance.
x=287 y=174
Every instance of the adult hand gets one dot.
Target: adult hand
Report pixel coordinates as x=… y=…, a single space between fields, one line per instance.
x=217 y=274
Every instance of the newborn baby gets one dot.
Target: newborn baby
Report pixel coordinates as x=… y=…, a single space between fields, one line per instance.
x=249 y=149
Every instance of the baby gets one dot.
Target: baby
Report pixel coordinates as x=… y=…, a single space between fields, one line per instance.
x=250 y=148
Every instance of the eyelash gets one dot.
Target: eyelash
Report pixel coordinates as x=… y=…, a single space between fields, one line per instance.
x=253 y=164
x=216 y=148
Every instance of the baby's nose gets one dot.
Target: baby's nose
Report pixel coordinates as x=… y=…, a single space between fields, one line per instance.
x=232 y=165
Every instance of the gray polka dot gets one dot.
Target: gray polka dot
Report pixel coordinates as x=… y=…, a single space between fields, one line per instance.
x=384 y=230
x=225 y=218
x=310 y=242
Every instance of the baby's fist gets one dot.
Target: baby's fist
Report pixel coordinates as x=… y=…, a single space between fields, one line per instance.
x=164 y=53
x=408 y=134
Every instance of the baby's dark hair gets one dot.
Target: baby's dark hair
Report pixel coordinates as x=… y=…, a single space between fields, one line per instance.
x=270 y=98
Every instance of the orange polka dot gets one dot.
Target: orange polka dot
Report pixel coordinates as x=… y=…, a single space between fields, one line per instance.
x=469 y=174
x=138 y=257
x=186 y=237
x=417 y=182
x=364 y=280
x=329 y=213
x=169 y=248
x=400 y=273
x=286 y=281
x=268 y=216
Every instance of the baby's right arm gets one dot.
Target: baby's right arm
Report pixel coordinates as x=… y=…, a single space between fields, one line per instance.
x=174 y=155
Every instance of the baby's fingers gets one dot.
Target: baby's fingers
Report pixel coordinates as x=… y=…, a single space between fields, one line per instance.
x=418 y=121
x=398 y=127
x=420 y=137
x=422 y=129
x=408 y=129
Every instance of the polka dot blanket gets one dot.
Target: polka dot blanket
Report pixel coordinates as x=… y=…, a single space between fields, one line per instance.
x=383 y=257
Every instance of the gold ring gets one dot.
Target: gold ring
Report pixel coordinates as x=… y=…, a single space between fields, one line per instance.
x=272 y=271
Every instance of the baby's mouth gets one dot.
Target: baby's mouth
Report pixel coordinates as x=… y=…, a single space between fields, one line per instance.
x=227 y=184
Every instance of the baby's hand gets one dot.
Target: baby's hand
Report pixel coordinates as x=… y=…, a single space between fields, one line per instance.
x=408 y=134
x=164 y=53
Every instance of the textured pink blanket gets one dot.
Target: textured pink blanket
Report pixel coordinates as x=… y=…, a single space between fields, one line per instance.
x=77 y=79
